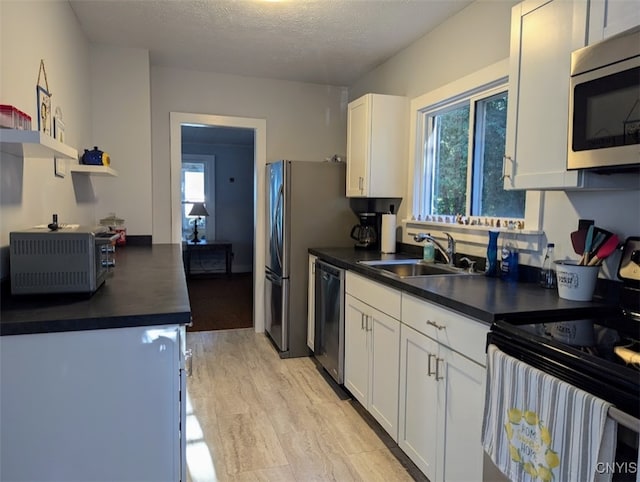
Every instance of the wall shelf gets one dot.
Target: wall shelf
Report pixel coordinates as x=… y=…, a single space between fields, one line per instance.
x=93 y=170
x=33 y=144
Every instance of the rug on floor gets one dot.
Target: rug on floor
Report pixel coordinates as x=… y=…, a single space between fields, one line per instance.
x=221 y=303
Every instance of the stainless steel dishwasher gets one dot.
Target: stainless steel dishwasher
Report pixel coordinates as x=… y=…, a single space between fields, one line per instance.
x=329 y=311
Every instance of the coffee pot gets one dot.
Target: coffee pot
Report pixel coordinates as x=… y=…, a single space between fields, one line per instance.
x=365 y=233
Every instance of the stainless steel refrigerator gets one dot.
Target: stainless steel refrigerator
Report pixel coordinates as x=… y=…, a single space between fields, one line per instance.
x=306 y=207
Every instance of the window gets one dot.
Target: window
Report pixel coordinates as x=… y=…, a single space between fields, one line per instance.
x=193 y=190
x=460 y=161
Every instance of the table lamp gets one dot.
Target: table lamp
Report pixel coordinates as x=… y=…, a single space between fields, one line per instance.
x=199 y=210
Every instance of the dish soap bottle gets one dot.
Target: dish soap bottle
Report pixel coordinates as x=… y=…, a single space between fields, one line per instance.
x=548 y=274
x=509 y=261
x=428 y=252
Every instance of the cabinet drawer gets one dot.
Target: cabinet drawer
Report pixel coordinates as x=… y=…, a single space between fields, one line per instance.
x=374 y=294
x=462 y=334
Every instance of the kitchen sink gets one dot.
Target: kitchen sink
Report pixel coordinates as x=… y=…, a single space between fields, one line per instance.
x=409 y=268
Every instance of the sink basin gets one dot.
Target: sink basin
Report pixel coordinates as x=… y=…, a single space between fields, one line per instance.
x=408 y=268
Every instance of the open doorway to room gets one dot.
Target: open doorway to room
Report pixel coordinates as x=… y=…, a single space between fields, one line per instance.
x=217 y=162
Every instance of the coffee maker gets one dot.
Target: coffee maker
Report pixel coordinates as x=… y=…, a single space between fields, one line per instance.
x=367 y=232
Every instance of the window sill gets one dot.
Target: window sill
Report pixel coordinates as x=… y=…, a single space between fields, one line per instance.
x=476 y=236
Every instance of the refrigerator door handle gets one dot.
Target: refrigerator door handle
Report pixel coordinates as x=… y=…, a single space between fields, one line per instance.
x=278 y=227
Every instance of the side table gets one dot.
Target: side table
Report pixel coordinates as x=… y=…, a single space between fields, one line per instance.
x=206 y=246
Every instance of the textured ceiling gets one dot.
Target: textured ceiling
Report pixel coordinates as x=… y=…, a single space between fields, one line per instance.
x=321 y=41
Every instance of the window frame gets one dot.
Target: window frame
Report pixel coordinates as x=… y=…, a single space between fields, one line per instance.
x=422 y=190
x=493 y=75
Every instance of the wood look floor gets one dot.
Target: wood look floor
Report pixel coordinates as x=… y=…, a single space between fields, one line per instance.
x=253 y=416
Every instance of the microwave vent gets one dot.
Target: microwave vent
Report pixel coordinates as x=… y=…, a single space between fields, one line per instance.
x=34 y=281
x=48 y=246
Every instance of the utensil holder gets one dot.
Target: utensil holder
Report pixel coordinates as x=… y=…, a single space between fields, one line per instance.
x=576 y=282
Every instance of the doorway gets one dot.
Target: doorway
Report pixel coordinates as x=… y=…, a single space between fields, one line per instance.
x=258 y=126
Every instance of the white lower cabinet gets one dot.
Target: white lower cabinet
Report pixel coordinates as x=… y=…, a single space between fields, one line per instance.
x=372 y=350
x=441 y=395
x=94 y=405
x=419 y=369
x=418 y=424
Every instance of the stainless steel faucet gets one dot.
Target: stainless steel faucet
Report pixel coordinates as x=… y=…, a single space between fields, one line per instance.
x=449 y=254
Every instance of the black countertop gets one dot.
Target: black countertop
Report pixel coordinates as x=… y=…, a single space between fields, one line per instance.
x=147 y=287
x=477 y=296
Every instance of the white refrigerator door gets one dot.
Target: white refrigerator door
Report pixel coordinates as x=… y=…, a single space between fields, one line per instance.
x=97 y=405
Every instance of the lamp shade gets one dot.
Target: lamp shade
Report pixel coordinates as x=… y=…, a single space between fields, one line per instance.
x=198 y=209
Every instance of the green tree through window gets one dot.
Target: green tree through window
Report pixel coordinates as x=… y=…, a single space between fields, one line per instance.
x=464 y=144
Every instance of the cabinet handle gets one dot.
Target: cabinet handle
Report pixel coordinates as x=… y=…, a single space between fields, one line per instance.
x=362 y=321
x=434 y=324
x=429 y=370
x=504 y=167
x=369 y=325
x=438 y=376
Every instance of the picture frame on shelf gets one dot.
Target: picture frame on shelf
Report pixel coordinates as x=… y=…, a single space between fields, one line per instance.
x=59 y=167
x=58 y=126
x=44 y=110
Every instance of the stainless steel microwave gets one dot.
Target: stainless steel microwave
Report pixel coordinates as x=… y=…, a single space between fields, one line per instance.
x=68 y=260
x=604 y=101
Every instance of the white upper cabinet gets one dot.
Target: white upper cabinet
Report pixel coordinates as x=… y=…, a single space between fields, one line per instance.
x=610 y=17
x=543 y=35
x=376 y=146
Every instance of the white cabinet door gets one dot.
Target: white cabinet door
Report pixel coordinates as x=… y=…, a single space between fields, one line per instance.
x=384 y=340
x=311 y=303
x=418 y=411
x=377 y=146
x=610 y=17
x=543 y=35
x=356 y=350
x=358 y=144
x=461 y=410
x=92 y=405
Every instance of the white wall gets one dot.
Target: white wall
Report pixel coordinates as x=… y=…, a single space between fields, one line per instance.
x=477 y=37
x=30 y=31
x=304 y=121
x=121 y=110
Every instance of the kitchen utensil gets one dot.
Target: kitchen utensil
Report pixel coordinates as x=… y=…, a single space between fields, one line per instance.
x=588 y=240
x=577 y=240
x=605 y=250
x=585 y=223
x=598 y=239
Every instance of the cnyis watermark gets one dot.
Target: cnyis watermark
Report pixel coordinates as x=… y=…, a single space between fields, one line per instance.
x=617 y=468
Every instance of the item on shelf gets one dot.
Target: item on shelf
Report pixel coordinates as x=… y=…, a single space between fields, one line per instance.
x=116 y=225
x=12 y=118
x=95 y=157
x=58 y=125
x=44 y=101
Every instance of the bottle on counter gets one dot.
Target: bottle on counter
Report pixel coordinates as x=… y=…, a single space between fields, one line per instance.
x=428 y=252
x=492 y=254
x=509 y=260
x=548 y=272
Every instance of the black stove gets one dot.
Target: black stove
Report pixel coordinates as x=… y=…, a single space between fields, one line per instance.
x=585 y=352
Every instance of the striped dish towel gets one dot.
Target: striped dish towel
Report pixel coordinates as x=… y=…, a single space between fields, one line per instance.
x=537 y=427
